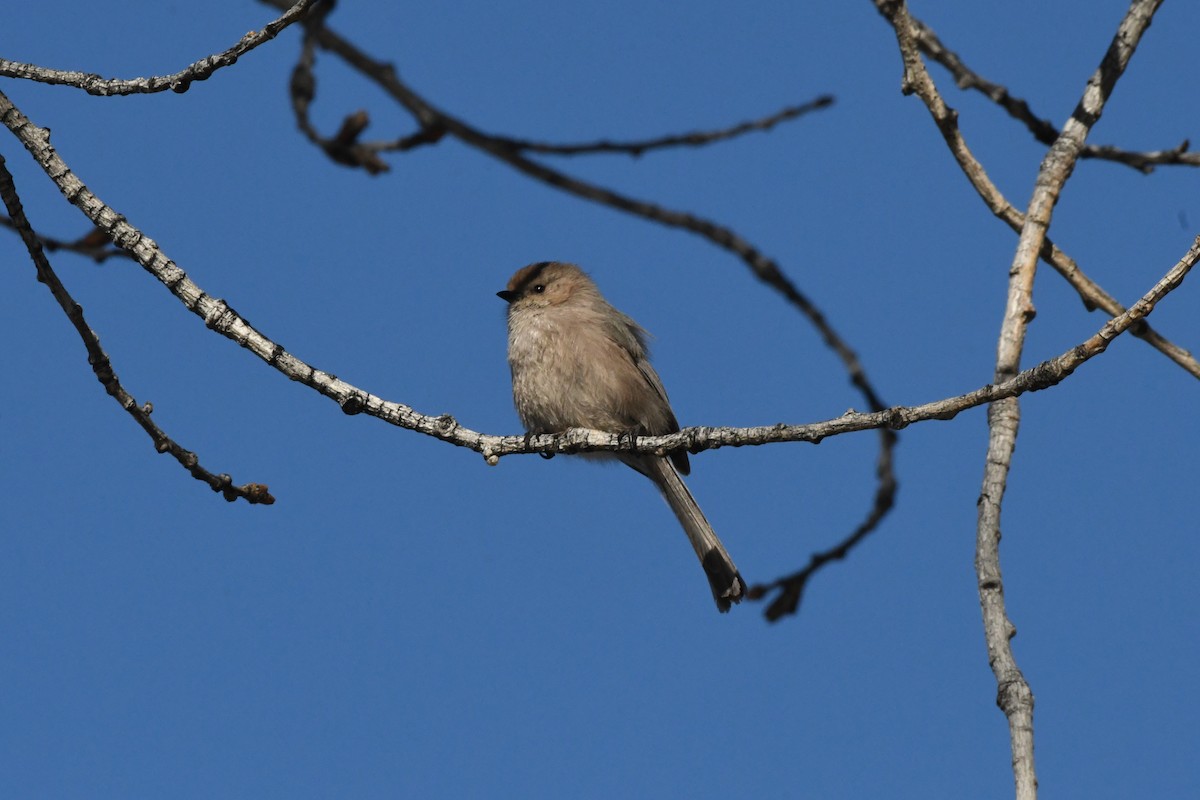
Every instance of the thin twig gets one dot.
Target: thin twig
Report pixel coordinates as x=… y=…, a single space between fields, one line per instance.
x=94 y=245
x=101 y=365
x=918 y=81
x=178 y=82
x=693 y=139
x=1042 y=129
x=791 y=587
x=343 y=147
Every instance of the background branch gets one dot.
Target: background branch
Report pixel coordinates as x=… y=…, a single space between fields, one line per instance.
x=693 y=139
x=94 y=245
x=1042 y=129
x=102 y=366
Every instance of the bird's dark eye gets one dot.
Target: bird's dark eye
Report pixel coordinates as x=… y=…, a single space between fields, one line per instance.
x=541 y=287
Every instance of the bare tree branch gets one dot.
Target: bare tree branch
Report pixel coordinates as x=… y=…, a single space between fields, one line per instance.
x=1044 y=375
x=220 y=317
x=101 y=365
x=1014 y=696
x=918 y=80
x=693 y=139
x=344 y=147
x=178 y=82
x=1043 y=129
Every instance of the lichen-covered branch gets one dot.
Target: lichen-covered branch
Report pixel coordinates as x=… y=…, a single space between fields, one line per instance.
x=1014 y=696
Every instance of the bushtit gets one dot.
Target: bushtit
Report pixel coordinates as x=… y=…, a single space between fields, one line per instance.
x=577 y=362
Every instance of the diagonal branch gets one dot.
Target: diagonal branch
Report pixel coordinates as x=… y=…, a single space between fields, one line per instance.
x=1043 y=130
x=693 y=139
x=918 y=81
x=101 y=365
x=178 y=82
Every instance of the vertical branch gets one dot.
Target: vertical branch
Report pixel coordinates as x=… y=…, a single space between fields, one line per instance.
x=1014 y=696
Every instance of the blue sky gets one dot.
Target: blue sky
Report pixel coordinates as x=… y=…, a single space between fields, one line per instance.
x=407 y=621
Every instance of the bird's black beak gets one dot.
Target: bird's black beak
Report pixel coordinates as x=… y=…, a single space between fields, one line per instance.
x=506 y=295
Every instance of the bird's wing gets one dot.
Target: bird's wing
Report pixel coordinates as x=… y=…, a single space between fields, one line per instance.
x=631 y=338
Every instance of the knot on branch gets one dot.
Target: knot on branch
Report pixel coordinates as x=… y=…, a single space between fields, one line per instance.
x=352 y=405
x=253 y=493
x=1013 y=694
x=344 y=147
x=896 y=419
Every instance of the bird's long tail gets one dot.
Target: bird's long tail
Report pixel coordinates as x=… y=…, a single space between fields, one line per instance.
x=723 y=577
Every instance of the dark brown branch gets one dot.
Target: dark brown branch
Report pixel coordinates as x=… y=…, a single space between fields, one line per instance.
x=344 y=147
x=693 y=139
x=102 y=366
x=178 y=82
x=95 y=245
x=791 y=587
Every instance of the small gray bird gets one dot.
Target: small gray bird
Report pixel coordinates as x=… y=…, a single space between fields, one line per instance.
x=577 y=362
